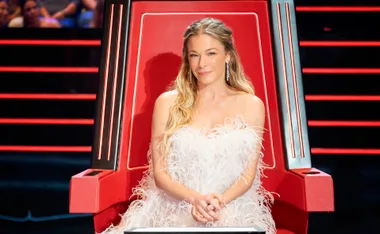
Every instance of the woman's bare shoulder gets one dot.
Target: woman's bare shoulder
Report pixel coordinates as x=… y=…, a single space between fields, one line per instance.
x=161 y=112
x=167 y=98
x=254 y=101
x=252 y=108
x=249 y=101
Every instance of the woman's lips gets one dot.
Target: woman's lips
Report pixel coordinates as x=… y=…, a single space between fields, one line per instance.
x=204 y=73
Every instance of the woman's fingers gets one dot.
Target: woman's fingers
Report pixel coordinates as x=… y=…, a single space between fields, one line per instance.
x=216 y=204
x=210 y=198
x=207 y=206
x=219 y=197
x=211 y=211
x=203 y=204
x=202 y=211
x=201 y=218
x=197 y=216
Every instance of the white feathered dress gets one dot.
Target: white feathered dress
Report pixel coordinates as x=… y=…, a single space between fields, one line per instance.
x=205 y=162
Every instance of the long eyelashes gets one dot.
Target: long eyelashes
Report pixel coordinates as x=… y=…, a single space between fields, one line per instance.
x=209 y=54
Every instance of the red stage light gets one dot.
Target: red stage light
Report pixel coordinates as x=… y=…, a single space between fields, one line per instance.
x=342 y=97
x=50 y=69
x=52 y=42
x=46 y=121
x=341 y=70
x=337 y=9
x=339 y=43
x=344 y=151
x=47 y=96
x=341 y=123
x=33 y=148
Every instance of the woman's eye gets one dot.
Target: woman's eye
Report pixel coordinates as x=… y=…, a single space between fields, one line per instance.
x=193 y=55
x=211 y=53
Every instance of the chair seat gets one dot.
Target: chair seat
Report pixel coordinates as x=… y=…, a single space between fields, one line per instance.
x=284 y=231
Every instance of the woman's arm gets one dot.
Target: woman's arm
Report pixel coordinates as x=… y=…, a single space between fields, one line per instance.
x=90 y=4
x=255 y=117
x=68 y=10
x=44 y=12
x=162 y=178
x=15 y=14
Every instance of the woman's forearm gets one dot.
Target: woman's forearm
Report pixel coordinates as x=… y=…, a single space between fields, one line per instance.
x=174 y=189
x=70 y=9
x=90 y=4
x=241 y=186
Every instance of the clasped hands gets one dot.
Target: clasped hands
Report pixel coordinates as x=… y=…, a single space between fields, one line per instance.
x=205 y=207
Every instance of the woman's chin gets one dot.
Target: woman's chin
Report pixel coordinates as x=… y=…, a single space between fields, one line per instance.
x=206 y=80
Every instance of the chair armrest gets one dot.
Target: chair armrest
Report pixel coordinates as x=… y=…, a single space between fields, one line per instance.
x=93 y=191
x=308 y=189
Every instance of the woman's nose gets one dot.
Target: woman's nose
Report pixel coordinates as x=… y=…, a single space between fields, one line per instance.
x=202 y=61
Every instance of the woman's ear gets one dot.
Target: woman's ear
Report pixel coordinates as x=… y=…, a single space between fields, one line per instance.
x=228 y=58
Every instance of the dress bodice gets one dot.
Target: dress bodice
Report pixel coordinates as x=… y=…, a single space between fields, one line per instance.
x=211 y=161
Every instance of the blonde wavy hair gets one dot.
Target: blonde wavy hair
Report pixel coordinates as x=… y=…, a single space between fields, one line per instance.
x=185 y=84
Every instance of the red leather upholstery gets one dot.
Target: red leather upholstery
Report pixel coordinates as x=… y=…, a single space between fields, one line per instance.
x=154 y=57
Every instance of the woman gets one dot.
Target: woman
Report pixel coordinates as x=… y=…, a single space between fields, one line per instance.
x=97 y=19
x=31 y=17
x=4 y=12
x=205 y=158
x=14 y=9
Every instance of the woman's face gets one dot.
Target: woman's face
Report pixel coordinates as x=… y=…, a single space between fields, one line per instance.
x=207 y=58
x=3 y=12
x=31 y=10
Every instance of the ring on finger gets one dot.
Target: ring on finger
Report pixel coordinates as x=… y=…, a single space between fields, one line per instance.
x=204 y=204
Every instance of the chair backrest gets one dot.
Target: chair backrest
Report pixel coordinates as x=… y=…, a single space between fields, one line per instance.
x=154 y=57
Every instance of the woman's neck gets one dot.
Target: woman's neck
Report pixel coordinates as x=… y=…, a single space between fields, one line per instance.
x=213 y=91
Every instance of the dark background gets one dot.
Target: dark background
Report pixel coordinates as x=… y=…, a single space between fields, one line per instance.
x=34 y=186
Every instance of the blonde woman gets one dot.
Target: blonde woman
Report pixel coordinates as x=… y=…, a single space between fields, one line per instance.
x=205 y=157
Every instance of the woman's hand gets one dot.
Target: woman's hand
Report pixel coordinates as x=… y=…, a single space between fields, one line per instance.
x=200 y=210
x=215 y=202
x=197 y=216
x=204 y=207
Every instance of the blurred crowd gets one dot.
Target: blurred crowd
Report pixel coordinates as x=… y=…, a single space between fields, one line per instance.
x=51 y=13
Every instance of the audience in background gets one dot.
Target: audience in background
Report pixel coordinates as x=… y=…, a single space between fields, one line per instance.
x=51 y=13
x=14 y=9
x=97 y=19
x=65 y=11
x=31 y=17
x=87 y=14
x=4 y=13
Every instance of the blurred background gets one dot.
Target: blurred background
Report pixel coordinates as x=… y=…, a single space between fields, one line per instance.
x=51 y=13
x=47 y=105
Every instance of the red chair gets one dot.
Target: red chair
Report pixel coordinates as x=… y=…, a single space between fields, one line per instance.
x=141 y=56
